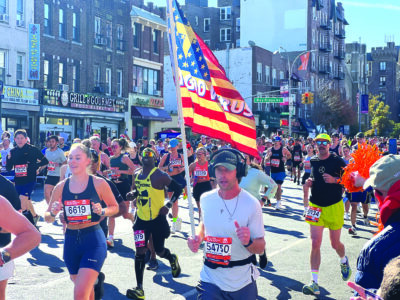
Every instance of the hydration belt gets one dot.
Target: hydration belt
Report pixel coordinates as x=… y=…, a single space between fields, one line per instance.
x=251 y=259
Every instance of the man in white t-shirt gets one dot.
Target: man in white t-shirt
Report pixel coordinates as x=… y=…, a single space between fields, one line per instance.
x=5 y=151
x=233 y=231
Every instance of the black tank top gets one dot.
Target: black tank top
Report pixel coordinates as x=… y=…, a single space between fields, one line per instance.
x=297 y=153
x=335 y=150
x=277 y=164
x=78 y=207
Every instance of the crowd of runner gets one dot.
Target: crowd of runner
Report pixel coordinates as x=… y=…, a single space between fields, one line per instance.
x=92 y=182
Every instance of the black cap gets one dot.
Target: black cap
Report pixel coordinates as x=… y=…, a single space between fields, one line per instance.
x=226 y=159
x=335 y=134
x=144 y=138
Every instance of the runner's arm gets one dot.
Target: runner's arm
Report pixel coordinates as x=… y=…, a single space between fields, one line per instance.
x=27 y=237
x=105 y=193
x=10 y=162
x=55 y=204
x=126 y=160
x=177 y=189
x=43 y=161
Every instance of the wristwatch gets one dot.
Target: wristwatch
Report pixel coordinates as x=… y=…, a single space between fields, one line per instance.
x=168 y=204
x=250 y=242
x=5 y=256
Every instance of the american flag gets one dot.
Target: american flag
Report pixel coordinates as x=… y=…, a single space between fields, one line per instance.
x=211 y=104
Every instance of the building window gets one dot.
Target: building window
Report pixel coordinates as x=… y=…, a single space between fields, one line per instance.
x=281 y=75
x=120 y=38
x=206 y=24
x=259 y=72
x=61 y=24
x=225 y=35
x=382 y=96
x=96 y=75
x=97 y=27
x=237 y=43
x=20 y=66
x=274 y=82
x=119 y=83
x=196 y=20
x=20 y=13
x=3 y=57
x=237 y=24
x=225 y=13
x=137 y=33
x=156 y=86
x=46 y=70
x=61 y=77
x=76 y=26
x=108 y=81
x=267 y=75
x=75 y=78
x=47 y=19
x=3 y=7
x=382 y=66
x=207 y=42
x=146 y=81
x=156 y=34
x=382 y=81
x=312 y=83
x=109 y=35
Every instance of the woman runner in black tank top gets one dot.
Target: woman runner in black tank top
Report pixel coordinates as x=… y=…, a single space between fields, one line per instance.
x=80 y=197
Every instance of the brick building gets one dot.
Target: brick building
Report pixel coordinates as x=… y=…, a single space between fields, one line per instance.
x=383 y=79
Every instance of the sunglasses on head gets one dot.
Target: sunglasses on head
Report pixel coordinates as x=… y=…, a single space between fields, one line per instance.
x=148 y=154
x=322 y=143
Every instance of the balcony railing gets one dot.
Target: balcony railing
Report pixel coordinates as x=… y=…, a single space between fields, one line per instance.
x=325 y=47
x=341 y=34
x=339 y=75
x=326 y=24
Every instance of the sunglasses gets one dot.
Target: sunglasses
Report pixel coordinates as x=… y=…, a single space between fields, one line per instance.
x=322 y=143
x=148 y=154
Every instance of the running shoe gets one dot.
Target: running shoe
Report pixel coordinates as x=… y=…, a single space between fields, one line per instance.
x=366 y=221
x=268 y=203
x=345 y=270
x=173 y=227
x=311 y=289
x=353 y=230
x=263 y=260
x=346 y=216
x=136 y=293
x=153 y=265
x=278 y=205
x=175 y=267
x=178 y=224
x=110 y=242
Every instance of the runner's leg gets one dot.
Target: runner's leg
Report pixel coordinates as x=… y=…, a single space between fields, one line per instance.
x=3 y=285
x=336 y=243
x=48 y=188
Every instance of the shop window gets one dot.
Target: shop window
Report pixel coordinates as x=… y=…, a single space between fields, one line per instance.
x=76 y=26
x=47 y=18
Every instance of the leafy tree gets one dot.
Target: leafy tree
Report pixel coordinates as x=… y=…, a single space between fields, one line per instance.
x=379 y=114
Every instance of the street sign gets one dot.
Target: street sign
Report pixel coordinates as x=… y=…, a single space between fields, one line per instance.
x=284 y=114
x=268 y=100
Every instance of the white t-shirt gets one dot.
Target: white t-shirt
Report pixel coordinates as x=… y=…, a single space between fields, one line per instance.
x=257 y=179
x=4 y=154
x=217 y=224
x=53 y=157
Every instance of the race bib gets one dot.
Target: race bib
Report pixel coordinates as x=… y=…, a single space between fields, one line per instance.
x=267 y=163
x=113 y=174
x=297 y=158
x=275 y=162
x=51 y=166
x=176 y=163
x=139 y=238
x=78 y=211
x=200 y=173
x=307 y=164
x=313 y=214
x=218 y=250
x=21 y=170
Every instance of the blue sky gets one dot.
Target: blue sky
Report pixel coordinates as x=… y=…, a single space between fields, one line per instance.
x=370 y=20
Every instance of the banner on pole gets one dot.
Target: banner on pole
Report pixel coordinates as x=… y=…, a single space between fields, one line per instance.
x=364 y=104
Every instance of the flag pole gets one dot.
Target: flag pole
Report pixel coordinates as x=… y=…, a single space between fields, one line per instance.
x=173 y=56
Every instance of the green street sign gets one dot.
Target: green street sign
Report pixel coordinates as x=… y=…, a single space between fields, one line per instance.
x=284 y=114
x=268 y=100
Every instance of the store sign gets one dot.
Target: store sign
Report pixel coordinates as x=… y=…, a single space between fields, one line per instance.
x=83 y=101
x=146 y=101
x=34 y=52
x=20 y=95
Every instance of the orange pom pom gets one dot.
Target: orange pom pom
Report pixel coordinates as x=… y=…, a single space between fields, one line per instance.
x=363 y=158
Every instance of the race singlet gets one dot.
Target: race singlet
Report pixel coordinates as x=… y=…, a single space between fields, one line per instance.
x=78 y=211
x=21 y=170
x=307 y=165
x=113 y=174
x=218 y=250
x=297 y=158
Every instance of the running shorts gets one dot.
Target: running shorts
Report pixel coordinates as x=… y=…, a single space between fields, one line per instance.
x=7 y=270
x=25 y=189
x=331 y=216
x=200 y=188
x=52 y=180
x=158 y=228
x=180 y=179
x=84 y=248
x=305 y=177
x=278 y=177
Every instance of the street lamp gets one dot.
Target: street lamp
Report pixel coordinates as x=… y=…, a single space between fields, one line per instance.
x=290 y=68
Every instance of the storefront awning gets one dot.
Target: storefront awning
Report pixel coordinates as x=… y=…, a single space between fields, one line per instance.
x=149 y=113
x=14 y=112
x=81 y=113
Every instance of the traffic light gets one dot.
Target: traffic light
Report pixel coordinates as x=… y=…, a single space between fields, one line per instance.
x=311 y=98
x=306 y=97
x=303 y=99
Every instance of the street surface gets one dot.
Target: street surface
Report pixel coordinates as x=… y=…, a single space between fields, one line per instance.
x=42 y=275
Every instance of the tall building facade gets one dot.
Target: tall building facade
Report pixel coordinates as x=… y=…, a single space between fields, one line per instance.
x=20 y=106
x=383 y=76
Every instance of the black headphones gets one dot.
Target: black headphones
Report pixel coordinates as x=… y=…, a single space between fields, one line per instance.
x=241 y=166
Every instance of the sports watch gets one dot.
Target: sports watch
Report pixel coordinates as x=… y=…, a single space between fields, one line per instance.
x=5 y=256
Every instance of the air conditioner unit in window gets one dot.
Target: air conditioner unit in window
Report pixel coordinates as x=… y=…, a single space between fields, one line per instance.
x=3 y=18
x=63 y=87
x=157 y=93
x=20 y=23
x=20 y=82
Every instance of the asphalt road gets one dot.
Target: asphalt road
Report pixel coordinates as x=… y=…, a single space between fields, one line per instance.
x=42 y=275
